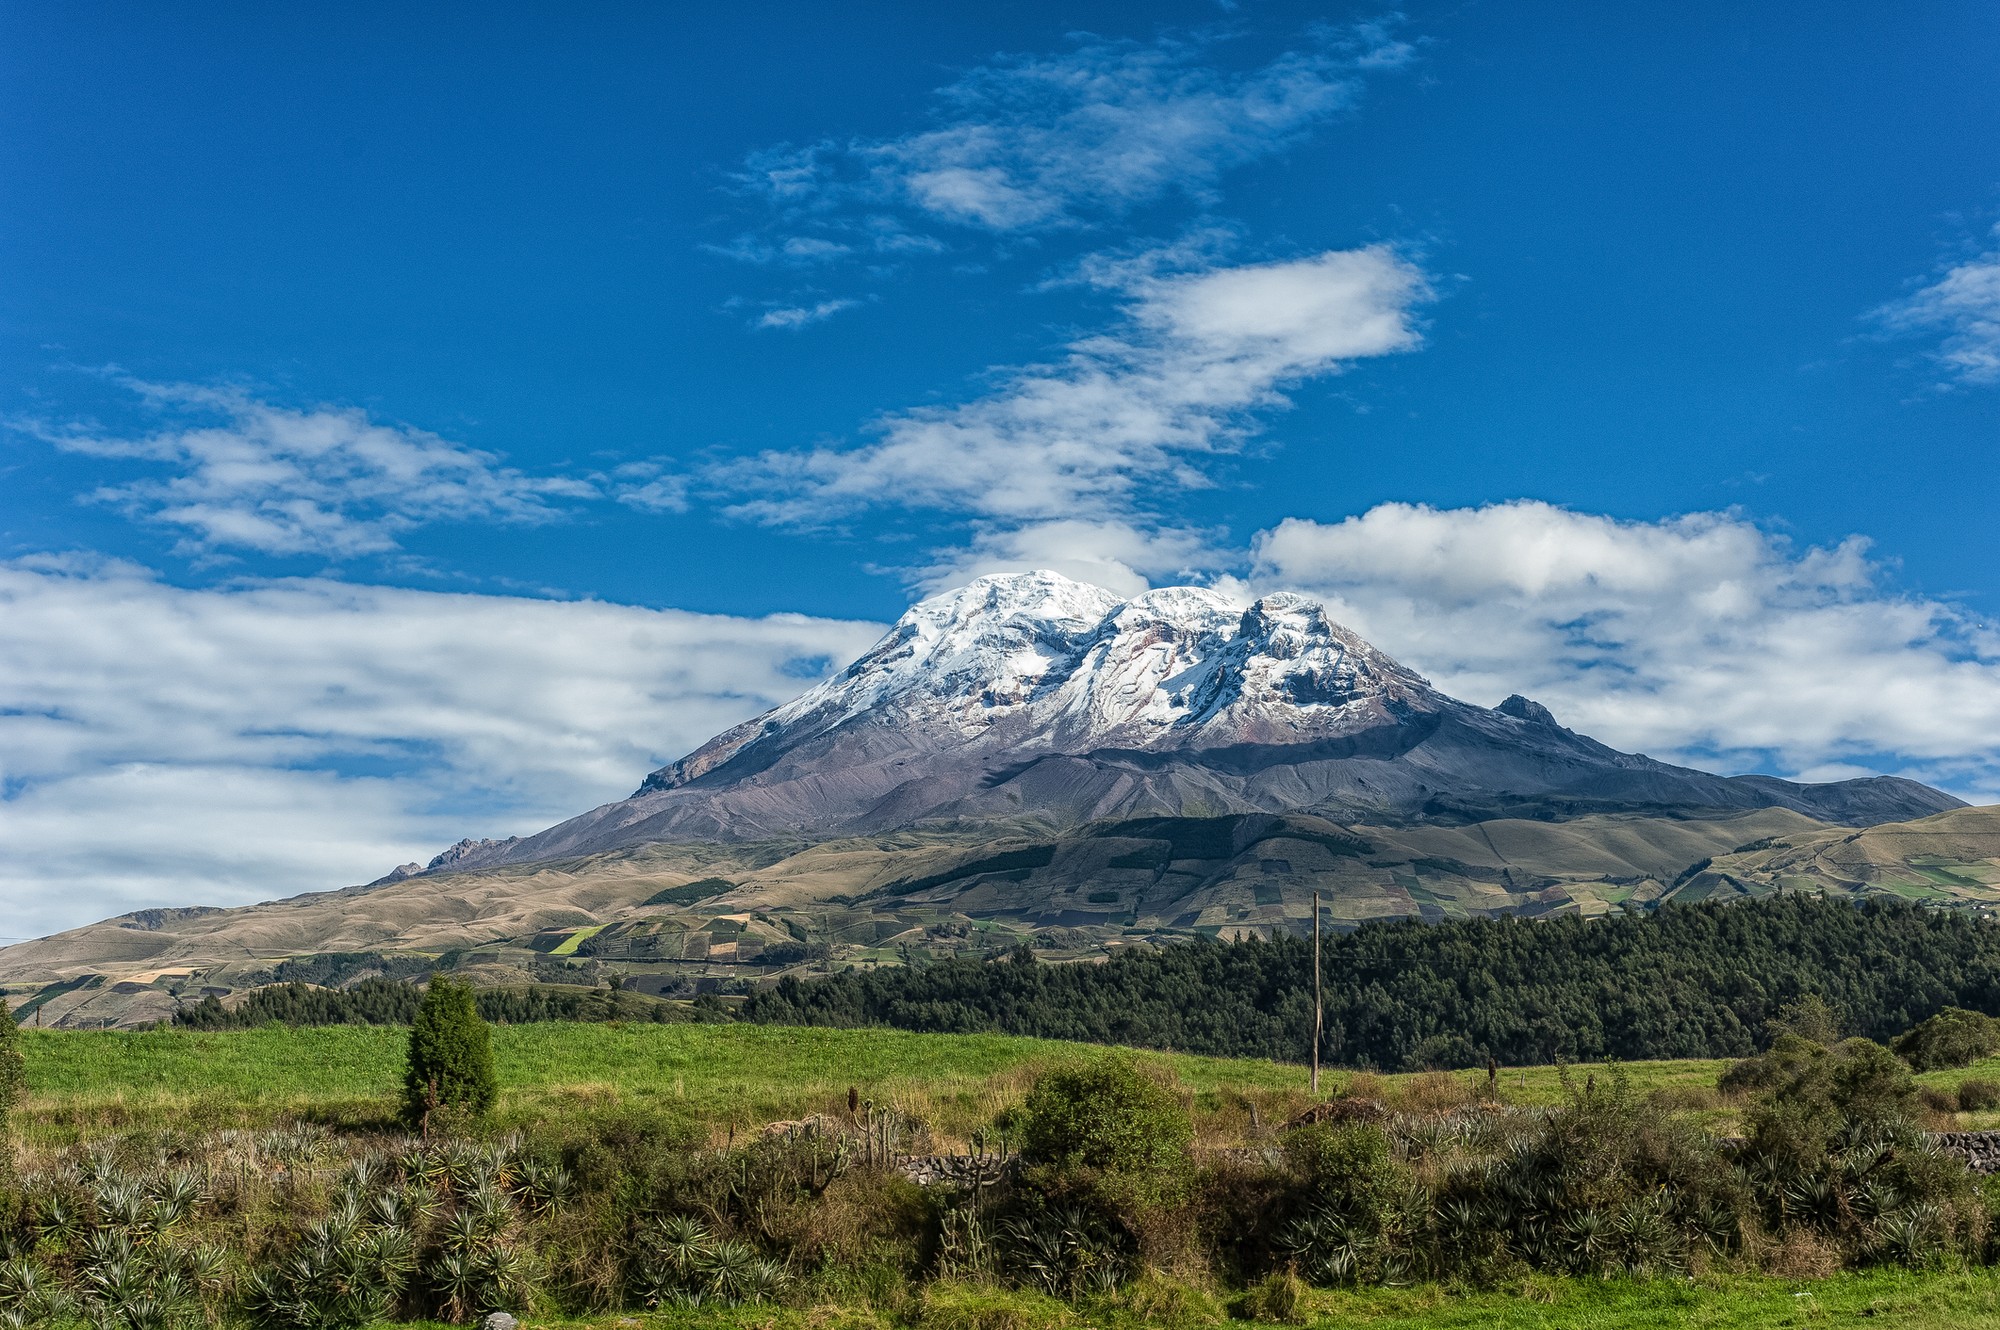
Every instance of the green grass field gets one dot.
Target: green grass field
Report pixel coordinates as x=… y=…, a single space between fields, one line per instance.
x=729 y=1077
x=726 y=1076
x=1895 y=1300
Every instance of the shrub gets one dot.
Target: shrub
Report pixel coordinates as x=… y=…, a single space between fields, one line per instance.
x=1952 y=1038
x=1108 y=1116
x=451 y=1055
x=1975 y=1095
x=1811 y=1097
x=1808 y=1017
x=1346 y=1165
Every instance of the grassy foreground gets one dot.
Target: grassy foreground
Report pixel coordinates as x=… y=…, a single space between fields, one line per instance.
x=731 y=1077
x=1887 y=1298
x=735 y=1078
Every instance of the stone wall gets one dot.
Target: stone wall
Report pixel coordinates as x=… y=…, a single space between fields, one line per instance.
x=1979 y=1149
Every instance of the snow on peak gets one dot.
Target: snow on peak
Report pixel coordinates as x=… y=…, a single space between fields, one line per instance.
x=1039 y=663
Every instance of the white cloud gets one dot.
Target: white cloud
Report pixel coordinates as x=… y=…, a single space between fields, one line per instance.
x=168 y=747
x=798 y=316
x=1034 y=142
x=1701 y=636
x=325 y=481
x=1124 y=415
x=649 y=486
x=1964 y=307
x=1115 y=555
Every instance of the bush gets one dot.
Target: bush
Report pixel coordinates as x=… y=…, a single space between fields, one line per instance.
x=1952 y=1038
x=1108 y=1116
x=1810 y=1097
x=1808 y=1017
x=451 y=1056
x=1975 y=1095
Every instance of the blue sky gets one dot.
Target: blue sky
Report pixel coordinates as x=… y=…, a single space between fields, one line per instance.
x=1643 y=358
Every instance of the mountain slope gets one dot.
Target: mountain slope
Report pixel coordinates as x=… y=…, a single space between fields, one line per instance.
x=1032 y=695
x=1030 y=759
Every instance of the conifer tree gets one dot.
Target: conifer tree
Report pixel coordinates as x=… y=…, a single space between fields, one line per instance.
x=451 y=1055
x=12 y=1078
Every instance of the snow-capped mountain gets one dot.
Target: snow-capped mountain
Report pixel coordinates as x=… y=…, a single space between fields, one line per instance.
x=1038 y=663
x=1030 y=695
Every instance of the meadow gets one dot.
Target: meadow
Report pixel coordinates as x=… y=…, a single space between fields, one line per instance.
x=729 y=1078
x=1880 y=1300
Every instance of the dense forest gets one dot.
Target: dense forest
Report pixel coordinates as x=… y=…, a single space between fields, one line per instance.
x=391 y=1002
x=1683 y=981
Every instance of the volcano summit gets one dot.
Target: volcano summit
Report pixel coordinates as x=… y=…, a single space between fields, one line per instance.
x=1029 y=695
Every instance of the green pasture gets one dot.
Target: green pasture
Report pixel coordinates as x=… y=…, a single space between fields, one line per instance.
x=1895 y=1299
x=727 y=1077
x=730 y=1077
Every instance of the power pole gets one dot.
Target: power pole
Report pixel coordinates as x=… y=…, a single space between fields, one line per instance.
x=1319 y=1009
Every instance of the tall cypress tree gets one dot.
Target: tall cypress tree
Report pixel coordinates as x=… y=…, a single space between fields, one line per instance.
x=12 y=1078
x=451 y=1055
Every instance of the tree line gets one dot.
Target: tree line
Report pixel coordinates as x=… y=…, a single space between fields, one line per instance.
x=1683 y=981
x=393 y=1002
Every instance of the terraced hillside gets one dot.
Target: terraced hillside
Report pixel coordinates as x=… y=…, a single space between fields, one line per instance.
x=679 y=920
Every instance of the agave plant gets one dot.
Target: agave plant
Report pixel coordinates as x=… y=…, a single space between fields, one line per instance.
x=1815 y=1198
x=386 y=1209
x=672 y=1252
x=466 y=1166
x=58 y=1222
x=183 y=1188
x=120 y=1202
x=321 y=1286
x=391 y=1251
x=1586 y=1240
x=462 y=1233
x=731 y=1272
x=1912 y=1237
x=1715 y=1225
x=114 y=1283
x=106 y=1246
x=1875 y=1198
x=489 y=1208
x=1060 y=1249
x=420 y=1204
x=364 y=1176
x=506 y=1278
x=1325 y=1248
x=542 y=1187
x=454 y=1279
x=1644 y=1237
x=419 y=1164
x=24 y=1284
x=100 y=1163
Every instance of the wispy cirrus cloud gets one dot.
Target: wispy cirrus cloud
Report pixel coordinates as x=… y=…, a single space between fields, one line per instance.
x=1125 y=417
x=798 y=316
x=246 y=474
x=1962 y=309
x=1031 y=143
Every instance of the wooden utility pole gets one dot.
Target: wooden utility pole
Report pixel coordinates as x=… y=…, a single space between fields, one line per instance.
x=1319 y=1009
